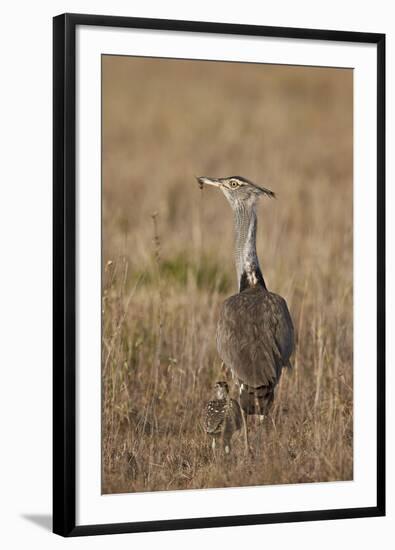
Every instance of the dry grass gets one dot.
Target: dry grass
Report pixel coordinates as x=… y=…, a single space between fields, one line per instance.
x=164 y=277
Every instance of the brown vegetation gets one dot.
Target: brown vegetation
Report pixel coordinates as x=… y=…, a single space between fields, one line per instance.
x=168 y=265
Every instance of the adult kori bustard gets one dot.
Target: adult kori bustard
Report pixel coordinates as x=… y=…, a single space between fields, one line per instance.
x=255 y=334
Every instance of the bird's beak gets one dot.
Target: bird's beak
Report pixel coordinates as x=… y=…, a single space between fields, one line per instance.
x=203 y=180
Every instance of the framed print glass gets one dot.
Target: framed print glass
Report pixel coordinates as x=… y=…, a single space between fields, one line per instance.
x=218 y=274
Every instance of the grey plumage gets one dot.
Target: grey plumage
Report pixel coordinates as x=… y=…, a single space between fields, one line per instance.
x=255 y=334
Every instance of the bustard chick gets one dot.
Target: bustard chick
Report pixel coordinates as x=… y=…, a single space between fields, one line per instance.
x=222 y=416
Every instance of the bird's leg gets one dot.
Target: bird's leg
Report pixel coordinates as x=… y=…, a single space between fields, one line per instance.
x=213 y=447
x=245 y=429
x=247 y=449
x=258 y=409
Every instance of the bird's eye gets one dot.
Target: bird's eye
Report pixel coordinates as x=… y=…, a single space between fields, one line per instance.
x=234 y=184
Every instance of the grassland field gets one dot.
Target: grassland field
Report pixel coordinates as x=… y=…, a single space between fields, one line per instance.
x=168 y=265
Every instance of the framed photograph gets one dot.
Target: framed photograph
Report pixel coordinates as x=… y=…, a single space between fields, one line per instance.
x=219 y=274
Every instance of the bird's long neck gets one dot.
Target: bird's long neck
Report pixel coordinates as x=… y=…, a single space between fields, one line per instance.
x=249 y=273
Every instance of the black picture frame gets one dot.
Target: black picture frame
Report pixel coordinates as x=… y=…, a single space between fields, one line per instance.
x=64 y=273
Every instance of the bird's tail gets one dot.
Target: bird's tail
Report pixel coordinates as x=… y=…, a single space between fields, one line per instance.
x=256 y=400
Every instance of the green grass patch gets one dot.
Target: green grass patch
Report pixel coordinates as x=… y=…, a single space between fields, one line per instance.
x=207 y=274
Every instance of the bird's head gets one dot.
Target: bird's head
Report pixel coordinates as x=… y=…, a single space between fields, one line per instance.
x=237 y=190
x=221 y=389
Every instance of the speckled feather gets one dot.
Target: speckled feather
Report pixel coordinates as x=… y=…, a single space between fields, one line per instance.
x=222 y=416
